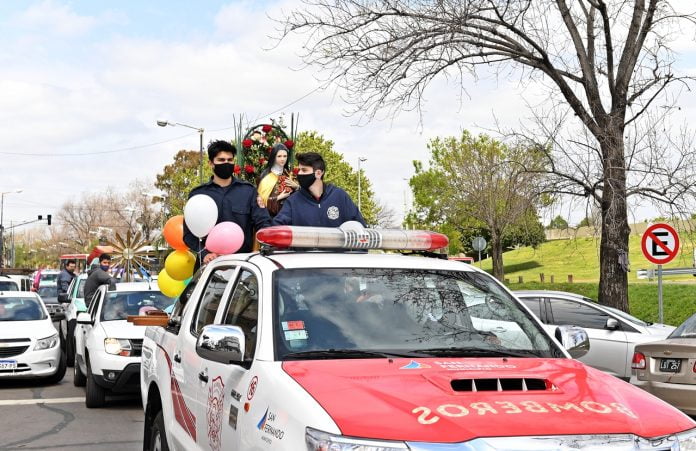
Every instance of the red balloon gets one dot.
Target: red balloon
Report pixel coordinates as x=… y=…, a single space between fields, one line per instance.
x=174 y=233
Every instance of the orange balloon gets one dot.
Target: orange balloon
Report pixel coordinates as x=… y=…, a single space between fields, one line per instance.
x=174 y=232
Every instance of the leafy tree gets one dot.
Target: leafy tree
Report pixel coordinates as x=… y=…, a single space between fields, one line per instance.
x=179 y=178
x=472 y=184
x=558 y=223
x=340 y=173
x=586 y=222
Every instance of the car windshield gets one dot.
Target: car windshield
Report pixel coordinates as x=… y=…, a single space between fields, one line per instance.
x=7 y=285
x=118 y=305
x=687 y=329
x=49 y=277
x=50 y=291
x=330 y=313
x=21 y=309
x=625 y=316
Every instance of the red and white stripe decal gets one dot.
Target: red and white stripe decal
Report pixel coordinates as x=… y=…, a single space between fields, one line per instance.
x=182 y=413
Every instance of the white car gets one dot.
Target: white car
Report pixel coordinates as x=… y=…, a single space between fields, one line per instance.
x=293 y=350
x=29 y=345
x=7 y=283
x=613 y=333
x=107 y=347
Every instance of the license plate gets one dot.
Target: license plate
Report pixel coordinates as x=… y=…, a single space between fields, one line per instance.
x=8 y=364
x=670 y=365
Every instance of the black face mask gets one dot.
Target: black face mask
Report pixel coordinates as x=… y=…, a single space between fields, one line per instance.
x=224 y=170
x=306 y=180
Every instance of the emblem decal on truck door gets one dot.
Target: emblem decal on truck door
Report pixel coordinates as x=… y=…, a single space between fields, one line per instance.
x=252 y=387
x=216 y=400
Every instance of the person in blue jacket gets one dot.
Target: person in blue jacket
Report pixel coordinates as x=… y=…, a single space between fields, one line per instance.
x=316 y=203
x=235 y=199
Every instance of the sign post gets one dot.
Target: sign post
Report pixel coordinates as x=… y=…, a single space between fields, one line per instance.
x=660 y=244
x=479 y=244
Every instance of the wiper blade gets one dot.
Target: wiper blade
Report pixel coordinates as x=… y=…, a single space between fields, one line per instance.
x=476 y=352
x=348 y=354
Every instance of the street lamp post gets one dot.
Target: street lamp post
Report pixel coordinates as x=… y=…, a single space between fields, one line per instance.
x=360 y=160
x=2 y=227
x=200 y=131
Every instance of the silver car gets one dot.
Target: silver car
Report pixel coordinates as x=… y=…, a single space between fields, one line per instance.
x=613 y=333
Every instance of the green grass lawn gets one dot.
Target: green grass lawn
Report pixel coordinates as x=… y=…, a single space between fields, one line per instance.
x=679 y=299
x=580 y=257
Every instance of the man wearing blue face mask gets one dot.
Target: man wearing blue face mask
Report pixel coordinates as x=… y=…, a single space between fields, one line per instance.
x=97 y=277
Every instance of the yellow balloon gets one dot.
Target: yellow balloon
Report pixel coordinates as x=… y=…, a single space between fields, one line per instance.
x=179 y=265
x=168 y=286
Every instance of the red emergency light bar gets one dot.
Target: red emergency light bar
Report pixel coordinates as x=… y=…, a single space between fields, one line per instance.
x=351 y=237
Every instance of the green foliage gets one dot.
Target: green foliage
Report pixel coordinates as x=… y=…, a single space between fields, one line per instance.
x=558 y=223
x=473 y=187
x=586 y=222
x=179 y=178
x=340 y=173
x=679 y=299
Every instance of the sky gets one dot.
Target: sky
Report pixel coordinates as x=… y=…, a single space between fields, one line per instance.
x=82 y=84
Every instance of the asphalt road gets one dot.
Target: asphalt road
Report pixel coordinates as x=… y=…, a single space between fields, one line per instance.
x=38 y=416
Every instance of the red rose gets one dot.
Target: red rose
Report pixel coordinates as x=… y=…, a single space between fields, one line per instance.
x=289 y=144
x=247 y=143
x=249 y=169
x=237 y=169
x=295 y=171
x=262 y=161
x=267 y=128
x=269 y=150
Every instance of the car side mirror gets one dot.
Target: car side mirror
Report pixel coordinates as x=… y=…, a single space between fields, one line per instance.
x=60 y=316
x=574 y=339
x=221 y=343
x=63 y=298
x=84 y=318
x=612 y=324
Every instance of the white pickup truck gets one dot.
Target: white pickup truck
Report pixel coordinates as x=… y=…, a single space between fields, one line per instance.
x=292 y=350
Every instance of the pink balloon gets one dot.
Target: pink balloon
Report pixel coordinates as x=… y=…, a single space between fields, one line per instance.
x=225 y=238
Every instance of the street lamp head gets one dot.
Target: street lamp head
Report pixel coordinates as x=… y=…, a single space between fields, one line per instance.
x=362 y=159
x=19 y=190
x=162 y=123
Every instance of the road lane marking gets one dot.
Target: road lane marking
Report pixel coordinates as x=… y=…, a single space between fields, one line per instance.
x=24 y=402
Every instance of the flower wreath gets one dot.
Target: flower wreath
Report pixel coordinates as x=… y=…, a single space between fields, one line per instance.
x=257 y=146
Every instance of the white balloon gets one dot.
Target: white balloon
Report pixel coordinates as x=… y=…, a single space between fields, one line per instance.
x=200 y=214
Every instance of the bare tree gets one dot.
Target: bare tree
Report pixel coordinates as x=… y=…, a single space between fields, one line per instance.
x=385 y=216
x=606 y=62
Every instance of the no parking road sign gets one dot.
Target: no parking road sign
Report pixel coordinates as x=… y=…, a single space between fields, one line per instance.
x=660 y=243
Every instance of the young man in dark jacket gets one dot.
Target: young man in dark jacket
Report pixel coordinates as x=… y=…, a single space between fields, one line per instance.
x=316 y=203
x=235 y=200
x=66 y=276
x=97 y=277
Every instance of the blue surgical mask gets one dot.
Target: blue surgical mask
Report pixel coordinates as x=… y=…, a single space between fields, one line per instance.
x=104 y=267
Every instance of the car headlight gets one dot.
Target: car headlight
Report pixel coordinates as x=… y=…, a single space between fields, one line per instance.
x=117 y=346
x=321 y=441
x=687 y=440
x=46 y=343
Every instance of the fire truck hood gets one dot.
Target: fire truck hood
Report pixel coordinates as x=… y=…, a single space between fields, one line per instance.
x=459 y=399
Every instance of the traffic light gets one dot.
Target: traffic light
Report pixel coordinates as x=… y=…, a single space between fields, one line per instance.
x=40 y=217
x=48 y=219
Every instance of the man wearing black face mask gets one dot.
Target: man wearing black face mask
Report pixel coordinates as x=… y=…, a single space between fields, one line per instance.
x=235 y=200
x=316 y=204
